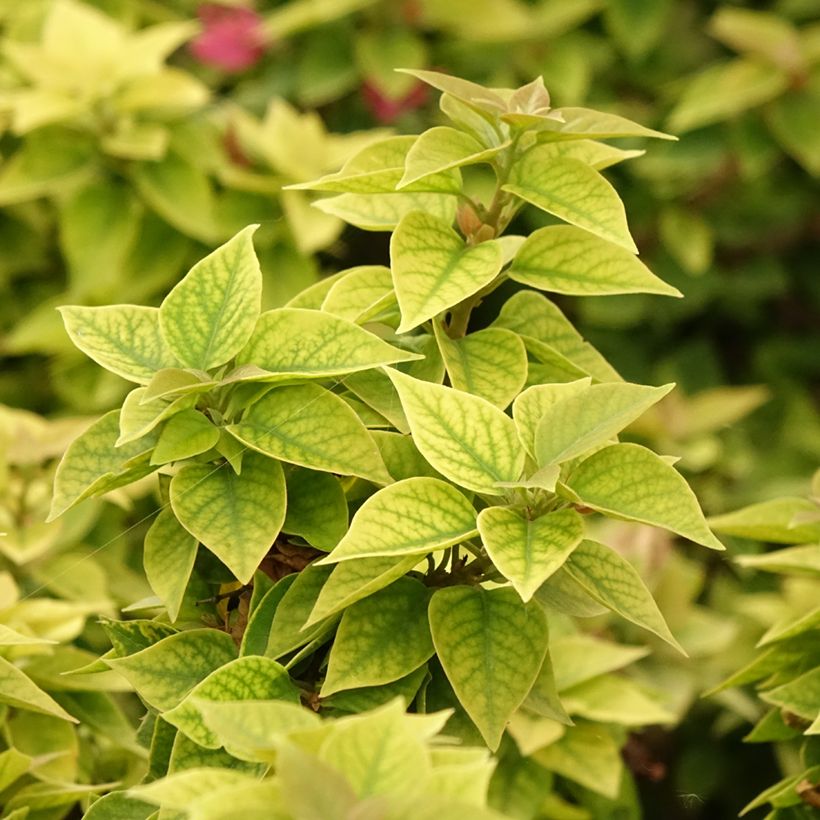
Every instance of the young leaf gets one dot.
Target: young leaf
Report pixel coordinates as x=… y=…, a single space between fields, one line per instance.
x=600 y=125
x=433 y=269
x=528 y=551
x=185 y=435
x=317 y=508
x=491 y=646
x=411 y=517
x=381 y=638
x=565 y=259
x=209 y=316
x=490 y=363
x=124 y=339
x=611 y=579
x=252 y=678
x=164 y=673
x=291 y=342
x=464 y=437
x=237 y=517
x=138 y=418
x=173 y=382
x=572 y=191
x=169 y=555
x=308 y=425
x=92 y=464
x=630 y=482
x=590 y=417
x=470 y=92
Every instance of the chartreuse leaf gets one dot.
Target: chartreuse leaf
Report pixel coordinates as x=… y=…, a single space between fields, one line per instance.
x=589 y=417
x=803 y=560
x=138 y=418
x=572 y=191
x=118 y=805
x=11 y=637
x=351 y=581
x=613 y=581
x=382 y=212
x=630 y=482
x=92 y=464
x=377 y=392
x=579 y=657
x=490 y=363
x=365 y=698
x=600 y=125
x=533 y=316
x=361 y=294
x=411 y=517
x=465 y=90
x=543 y=698
x=598 y=155
x=378 y=752
x=565 y=259
x=209 y=316
x=776 y=520
x=179 y=790
x=530 y=406
x=256 y=634
x=253 y=730
x=317 y=508
x=800 y=695
x=614 y=699
x=186 y=434
x=381 y=638
x=293 y=342
x=164 y=673
x=18 y=690
x=308 y=425
x=128 y=637
x=441 y=148
x=237 y=517
x=252 y=678
x=527 y=551
x=586 y=754
x=491 y=646
x=174 y=381
x=433 y=269
x=465 y=438
x=124 y=339
x=168 y=556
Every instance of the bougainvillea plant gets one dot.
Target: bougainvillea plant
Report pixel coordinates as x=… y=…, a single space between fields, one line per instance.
x=377 y=506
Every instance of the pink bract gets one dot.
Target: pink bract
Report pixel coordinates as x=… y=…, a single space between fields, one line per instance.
x=232 y=38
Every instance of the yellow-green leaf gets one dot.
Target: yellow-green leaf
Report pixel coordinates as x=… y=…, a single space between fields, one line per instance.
x=599 y=125
x=237 y=517
x=18 y=690
x=527 y=551
x=381 y=638
x=124 y=339
x=491 y=646
x=433 y=269
x=383 y=212
x=308 y=425
x=776 y=520
x=572 y=191
x=465 y=438
x=630 y=482
x=317 y=508
x=184 y=435
x=209 y=316
x=565 y=259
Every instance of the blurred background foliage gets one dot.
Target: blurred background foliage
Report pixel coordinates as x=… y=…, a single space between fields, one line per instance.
x=136 y=135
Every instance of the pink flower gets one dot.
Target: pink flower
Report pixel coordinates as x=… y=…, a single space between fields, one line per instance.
x=232 y=38
x=385 y=109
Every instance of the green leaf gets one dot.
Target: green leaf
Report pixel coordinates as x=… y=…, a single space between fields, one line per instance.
x=528 y=551
x=411 y=517
x=184 y=435
x=256 y=634
x=18 y=690
x=565 y=259
x=351 y=581
x=776 y=520
x=800 y=696
x=383 y=212
x=630 y=482
x=375 y=389
x=173 y=382
x=118 y=805
x=586 y=754
x=317 y=508
x=308 y=425
x=578 y=658
x=599 y=125
x=613 y=699
x=533 y=316
x=583 y=420
x=464 y=437
x=572 y=191
x=433 y=269
x=490 y=363
x=355 y=701
x=440 y=149
x=491 y=646
x=598 y=155
x=93 y=464
x=795 y=123
x=758 y=32
x=179 y=790
x=470 y=92
x=138 y=418
x=381 y=638
x=237 y=517
x=291 y=342
x=209 y=316
x=124 y=339
x=543 y=698
x=725 y=89
x=804 y=560
x=613 y=581
x=252 y=678
x=363 y=293
x=169 y=554
x=164 y=673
